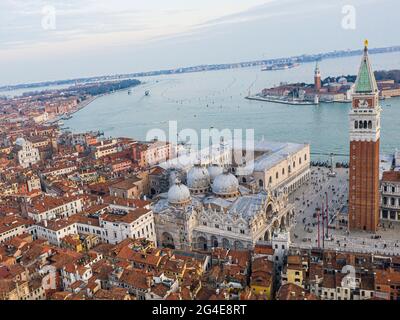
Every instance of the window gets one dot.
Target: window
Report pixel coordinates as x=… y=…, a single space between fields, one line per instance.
x=355 y=125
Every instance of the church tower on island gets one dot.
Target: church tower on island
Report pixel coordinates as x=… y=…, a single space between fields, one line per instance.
x=317 y=78
x=365 y=122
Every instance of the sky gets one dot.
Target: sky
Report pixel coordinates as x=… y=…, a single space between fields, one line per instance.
x=61 y=39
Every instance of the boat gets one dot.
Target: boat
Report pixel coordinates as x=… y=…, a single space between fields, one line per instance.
x=147 y=92
x=66 y=117
x=129 y=92
x=280 y=66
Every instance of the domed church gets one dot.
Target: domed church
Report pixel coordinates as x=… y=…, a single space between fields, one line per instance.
x=214 y=210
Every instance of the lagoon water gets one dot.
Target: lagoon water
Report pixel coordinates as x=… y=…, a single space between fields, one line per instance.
x=216 y=99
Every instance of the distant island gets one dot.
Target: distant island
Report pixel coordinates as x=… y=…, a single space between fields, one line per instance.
x=304 y=58
x=330 y=89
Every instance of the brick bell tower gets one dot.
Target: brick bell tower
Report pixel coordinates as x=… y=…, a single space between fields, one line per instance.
x=317 y=78
x=365 y=122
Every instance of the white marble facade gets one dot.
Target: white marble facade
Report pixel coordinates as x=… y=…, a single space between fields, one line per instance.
x=217 y=211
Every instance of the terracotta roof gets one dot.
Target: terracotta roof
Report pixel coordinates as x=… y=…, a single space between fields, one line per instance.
x=130 y=217
x=391 y=176
x=291 y=291
x=135 y=278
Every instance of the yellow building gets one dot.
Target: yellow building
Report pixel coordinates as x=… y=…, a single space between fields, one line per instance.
x=262 y=284
x=72 y=242
x=295 y=270
x=262 y=278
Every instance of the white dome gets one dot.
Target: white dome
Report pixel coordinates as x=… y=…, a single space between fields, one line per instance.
x=198 y=178
x=178 y=193
x=342 y=80
x=214 y=171
x=226 y=184
x=20 y=142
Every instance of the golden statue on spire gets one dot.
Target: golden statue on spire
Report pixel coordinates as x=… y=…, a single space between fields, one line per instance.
x=366 y=43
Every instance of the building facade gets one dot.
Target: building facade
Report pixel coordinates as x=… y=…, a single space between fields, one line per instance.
x=221 y=213
x=276 y=165
x=28 y=155
x=390 y=196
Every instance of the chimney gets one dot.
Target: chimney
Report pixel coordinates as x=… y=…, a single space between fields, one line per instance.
x=45 y=223
x=149 y=281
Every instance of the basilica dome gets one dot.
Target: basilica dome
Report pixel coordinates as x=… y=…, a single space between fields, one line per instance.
x=226 y=185
x=198 y=179
x=20 y=142
x=178 y=194
x=214 y=171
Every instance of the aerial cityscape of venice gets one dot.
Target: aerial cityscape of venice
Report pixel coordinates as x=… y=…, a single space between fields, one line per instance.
x=224 y=151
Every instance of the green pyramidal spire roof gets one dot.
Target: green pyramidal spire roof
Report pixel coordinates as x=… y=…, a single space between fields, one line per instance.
x=366 y=82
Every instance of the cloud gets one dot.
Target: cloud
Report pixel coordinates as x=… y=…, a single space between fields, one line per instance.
x=20 y=20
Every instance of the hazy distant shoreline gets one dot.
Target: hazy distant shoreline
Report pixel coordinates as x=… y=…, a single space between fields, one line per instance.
x=305 y=58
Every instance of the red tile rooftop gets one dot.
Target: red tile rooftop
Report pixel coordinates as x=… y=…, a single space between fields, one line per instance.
x=134 y=203
x=130 y=217
x=391 y=176
x=56 y=225
x=46 y=203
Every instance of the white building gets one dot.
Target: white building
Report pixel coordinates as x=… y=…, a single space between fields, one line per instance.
x=12 y=226
x=120 y=224
x=27 y=154
x=277 y=165
x=218 y=214
x=53 y=231
x=49 y=208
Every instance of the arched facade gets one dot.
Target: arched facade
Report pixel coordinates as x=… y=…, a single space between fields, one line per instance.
x=202 y=243
x=226 y=243
x=214 y=242
x=238 y=245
